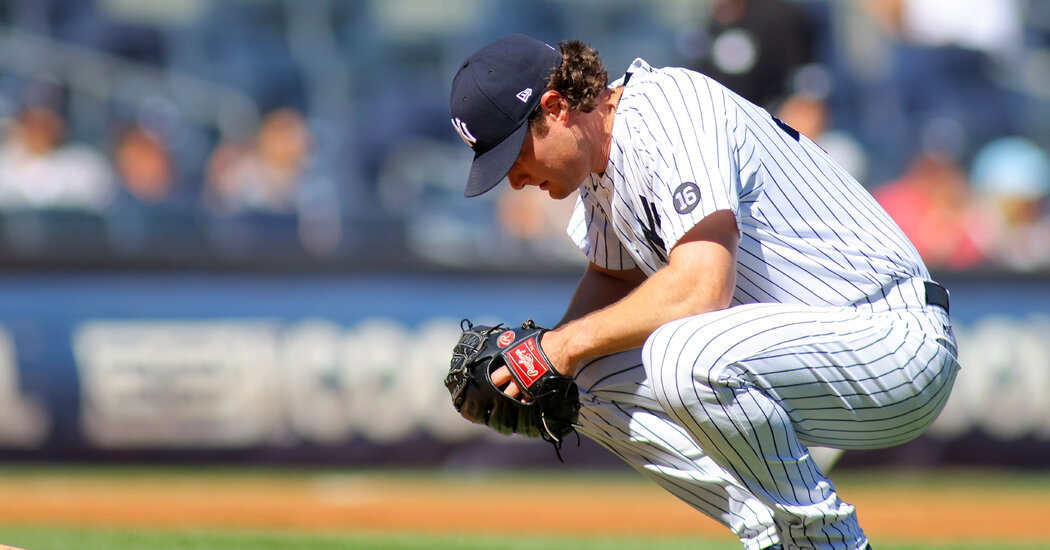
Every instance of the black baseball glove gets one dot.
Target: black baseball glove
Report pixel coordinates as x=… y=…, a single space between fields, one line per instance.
x=550 y=404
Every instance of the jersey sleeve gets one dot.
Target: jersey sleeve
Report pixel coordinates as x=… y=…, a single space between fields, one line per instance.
x=695 y=170
x=593 y=233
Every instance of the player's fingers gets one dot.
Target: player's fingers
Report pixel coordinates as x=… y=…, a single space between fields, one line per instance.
x=512 y=390
x=500 y=377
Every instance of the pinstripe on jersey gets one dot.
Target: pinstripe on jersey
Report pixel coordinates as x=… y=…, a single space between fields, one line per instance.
x=810 y=233
x=830 y=341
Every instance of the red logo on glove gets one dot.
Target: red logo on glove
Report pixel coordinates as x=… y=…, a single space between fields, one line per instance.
x=527 y=362
x=505 y=339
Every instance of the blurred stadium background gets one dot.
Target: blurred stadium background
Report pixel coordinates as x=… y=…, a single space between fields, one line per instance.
x=234 y=231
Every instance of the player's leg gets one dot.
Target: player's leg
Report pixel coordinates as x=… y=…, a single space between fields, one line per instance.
x=620 y=413
x=754 y=384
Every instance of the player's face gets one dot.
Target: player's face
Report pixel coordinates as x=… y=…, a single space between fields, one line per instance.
x=553 y=162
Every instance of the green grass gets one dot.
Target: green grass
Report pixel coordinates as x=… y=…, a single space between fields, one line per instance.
x=953 y=484
x=41 y=538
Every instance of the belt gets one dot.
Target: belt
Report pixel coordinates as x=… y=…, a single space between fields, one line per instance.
x=936 y=295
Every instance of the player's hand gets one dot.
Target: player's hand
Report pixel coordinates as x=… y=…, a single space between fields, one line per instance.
x=551 y=344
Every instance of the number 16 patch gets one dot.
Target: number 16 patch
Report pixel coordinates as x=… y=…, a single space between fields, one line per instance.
x=686 y=197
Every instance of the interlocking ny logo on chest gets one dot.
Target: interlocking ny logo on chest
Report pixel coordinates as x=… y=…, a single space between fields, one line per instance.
x=651 y=229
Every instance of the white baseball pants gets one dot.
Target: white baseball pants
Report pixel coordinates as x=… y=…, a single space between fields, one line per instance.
x=719 y=408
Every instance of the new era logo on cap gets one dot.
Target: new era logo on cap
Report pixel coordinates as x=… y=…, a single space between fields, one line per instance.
x=493 y=94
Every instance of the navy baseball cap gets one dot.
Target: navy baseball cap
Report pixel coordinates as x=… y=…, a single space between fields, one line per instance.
x=493 y=94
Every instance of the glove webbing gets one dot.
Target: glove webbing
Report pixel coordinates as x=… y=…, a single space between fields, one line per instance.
x=469 y=345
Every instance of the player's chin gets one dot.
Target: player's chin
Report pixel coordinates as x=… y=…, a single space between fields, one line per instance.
x=557 y=192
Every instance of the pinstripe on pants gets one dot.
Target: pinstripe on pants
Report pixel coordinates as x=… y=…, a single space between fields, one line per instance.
x=722 y=410
x=753 y=385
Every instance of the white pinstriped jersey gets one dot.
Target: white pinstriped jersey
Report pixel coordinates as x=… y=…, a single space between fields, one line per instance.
x=873 y=372
x=684 y=147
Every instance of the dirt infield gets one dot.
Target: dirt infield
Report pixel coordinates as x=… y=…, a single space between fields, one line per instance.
x=419 y=502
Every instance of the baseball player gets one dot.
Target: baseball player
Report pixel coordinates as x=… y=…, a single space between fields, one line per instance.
x=745 y=297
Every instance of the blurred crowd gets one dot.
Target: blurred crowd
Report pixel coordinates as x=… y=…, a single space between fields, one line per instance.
x=304 y=132
x=932 y=104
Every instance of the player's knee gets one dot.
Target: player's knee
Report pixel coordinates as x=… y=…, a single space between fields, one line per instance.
x=672 y=346
x=610 y=372
x=668 y=364
x=656 y=352
x=677 y=361
x=655 y=360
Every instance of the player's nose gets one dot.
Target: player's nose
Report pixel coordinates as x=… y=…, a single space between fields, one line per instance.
x=518 y=180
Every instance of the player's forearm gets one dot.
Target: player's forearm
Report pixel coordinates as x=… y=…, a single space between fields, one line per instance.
x=668 y=295
x=598 y=290
x=700 y=277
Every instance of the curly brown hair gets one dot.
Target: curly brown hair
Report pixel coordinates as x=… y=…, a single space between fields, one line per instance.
x=580 y=79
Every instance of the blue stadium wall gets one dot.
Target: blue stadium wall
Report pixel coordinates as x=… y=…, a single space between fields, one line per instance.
x=346 y=369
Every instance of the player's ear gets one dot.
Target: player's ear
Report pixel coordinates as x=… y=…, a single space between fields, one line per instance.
x=553 y=104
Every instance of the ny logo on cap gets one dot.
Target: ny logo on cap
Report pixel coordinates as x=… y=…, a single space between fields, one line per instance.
x=524 y=95
x=464 y=133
